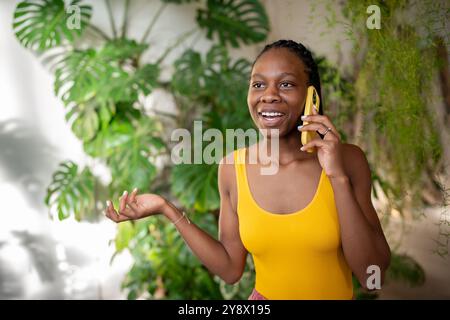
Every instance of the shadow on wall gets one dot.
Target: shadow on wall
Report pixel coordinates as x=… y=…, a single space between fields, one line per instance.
x=26 y=259
x=28 y=262
x=25 y=159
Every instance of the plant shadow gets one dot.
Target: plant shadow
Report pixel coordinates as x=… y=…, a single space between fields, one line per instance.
x=26 y=160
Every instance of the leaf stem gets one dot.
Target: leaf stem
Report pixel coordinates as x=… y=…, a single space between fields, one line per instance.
x=99 y=32
x=111 y=19
x=180 y=39
x=125 y=19
x=152 y=23
x=196 y=38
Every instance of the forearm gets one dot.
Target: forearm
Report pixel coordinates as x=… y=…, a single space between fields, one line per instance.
x=362 y=244
x=210 y=251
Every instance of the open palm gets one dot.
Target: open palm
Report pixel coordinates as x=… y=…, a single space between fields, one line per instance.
x=133 y=206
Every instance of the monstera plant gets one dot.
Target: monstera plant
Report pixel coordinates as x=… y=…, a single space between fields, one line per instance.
x=101 y=78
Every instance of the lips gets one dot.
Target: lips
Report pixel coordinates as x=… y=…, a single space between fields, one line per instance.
x=271 y=118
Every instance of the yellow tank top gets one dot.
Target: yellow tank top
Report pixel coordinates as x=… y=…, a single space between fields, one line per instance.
x=296 y=255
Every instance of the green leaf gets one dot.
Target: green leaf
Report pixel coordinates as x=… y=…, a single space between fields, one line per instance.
x=188 y=77
x=223 y=77
x=213 y=78
x=106 y=74
x=86 y=121
x=160 y=253
x=79 y=75
x=106 y=112
x=44 y=24
x=71 y=192
x=195 y=185
x=406 y=269
x=122 y=49
x=125 y=232
x=144 y=80
x=129 y=148
x=234 y=21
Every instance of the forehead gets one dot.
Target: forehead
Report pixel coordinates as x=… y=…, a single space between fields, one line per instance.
x=277 y=61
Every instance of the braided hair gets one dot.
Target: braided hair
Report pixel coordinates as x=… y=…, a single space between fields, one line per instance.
x=305 y=56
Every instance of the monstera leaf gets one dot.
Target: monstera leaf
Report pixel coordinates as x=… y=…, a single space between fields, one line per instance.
x=195 y=185
x=81 y=75
x=234 y=20
x=106 y=74
x=89 y=117
x=188 y=77
x=213 y=78
x=71 y=192
x=44 y=24
x=126 y=87
x=86 y=121
x=128 y=147
x=144 y=80
x=122 y=49
x=223 y=77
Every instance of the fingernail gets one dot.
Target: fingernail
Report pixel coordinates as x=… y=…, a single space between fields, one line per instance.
x=299 y=127
x=124 y=193
x=108 y=203
x=303 y=117
x=135 y=189
x=302 y=148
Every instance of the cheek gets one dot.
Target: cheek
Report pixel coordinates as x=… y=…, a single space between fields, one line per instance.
x=252 y=99
x=295 y=103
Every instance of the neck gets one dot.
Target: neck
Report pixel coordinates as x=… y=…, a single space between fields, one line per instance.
x=289 y=148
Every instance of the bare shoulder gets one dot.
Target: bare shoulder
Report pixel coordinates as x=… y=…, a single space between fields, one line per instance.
x=355 y=162
x=352 y=150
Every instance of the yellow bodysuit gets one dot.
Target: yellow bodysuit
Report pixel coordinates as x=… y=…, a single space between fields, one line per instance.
x=296 y=255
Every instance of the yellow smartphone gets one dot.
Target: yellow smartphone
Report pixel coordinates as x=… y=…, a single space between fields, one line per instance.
x=312 y=100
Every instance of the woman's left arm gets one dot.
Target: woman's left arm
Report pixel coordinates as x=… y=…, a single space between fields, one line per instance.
x=363 y=240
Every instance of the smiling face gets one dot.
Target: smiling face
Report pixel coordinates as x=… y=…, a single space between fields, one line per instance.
x=277 y=91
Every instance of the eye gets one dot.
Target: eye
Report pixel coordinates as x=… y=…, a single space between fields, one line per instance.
x=286 y=85
x=257 y=85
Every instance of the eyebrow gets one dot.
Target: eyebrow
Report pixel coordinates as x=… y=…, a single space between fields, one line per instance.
x=281 y=74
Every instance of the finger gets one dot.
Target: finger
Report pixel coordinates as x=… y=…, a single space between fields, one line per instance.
x=314 y=143
x=116 y=218
x=321 y=128
x=110 y=209
x=313 y=127
x=134 y=207
x=123 y=201
x=318 y=118
x=128 y=212
x=110 y=212
x=132 y=197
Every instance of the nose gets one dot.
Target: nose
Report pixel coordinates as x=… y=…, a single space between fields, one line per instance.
x=270 y=95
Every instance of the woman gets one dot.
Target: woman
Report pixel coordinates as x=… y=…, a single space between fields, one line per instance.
x=310 y=225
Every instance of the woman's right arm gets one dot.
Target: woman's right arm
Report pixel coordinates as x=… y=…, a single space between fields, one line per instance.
x=225 y=257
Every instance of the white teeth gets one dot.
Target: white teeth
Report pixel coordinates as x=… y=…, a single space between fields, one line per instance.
x=271 y=114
